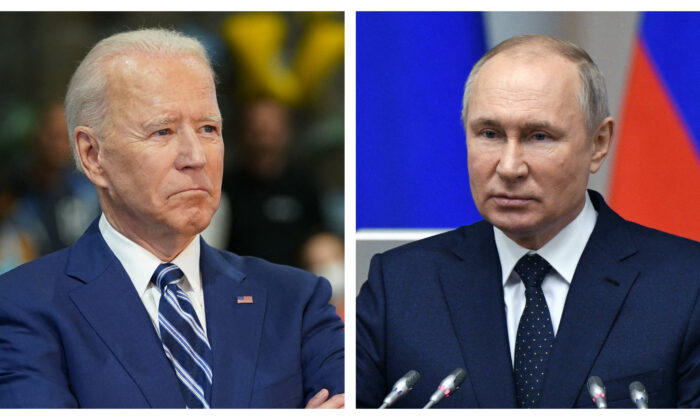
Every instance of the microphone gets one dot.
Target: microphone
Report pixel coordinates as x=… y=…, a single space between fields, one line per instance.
x=596 y=389
x=448 y=385
x=639 y=395
x=402 y=387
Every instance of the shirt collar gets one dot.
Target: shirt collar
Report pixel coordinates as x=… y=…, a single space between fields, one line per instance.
x=562 y=252
x=140 y=264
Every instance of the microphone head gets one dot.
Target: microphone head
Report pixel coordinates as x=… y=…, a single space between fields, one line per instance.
x=412 y=377
x=404 y=385
x=448 y=385
x=460 y=375
x=596 y=390
x=453 y=381
x=638 y=394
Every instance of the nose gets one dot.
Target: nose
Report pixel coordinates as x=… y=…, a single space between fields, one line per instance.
x=191 y=152
x=511 y=163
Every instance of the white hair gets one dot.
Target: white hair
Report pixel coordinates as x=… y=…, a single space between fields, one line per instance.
x=86 y=100
x=593 y=97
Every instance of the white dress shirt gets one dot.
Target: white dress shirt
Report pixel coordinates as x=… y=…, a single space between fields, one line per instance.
x=562 y=252
x=140 y=265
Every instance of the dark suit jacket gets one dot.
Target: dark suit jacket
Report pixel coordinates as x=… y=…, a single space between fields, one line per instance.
x=74 y=333
x=631 y=314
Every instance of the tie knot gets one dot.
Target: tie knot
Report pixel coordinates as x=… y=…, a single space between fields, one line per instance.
x=166 y=274
x=532 y=268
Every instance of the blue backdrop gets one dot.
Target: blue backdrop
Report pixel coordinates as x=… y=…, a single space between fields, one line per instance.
x=411 y=152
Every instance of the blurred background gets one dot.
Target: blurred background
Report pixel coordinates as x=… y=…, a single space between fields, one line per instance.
x=412 y=179
x=281 y=94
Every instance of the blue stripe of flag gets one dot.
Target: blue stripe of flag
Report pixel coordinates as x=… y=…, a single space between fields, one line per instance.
x=673 y=42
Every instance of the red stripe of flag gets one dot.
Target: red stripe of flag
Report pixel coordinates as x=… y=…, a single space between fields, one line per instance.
x=656 y=172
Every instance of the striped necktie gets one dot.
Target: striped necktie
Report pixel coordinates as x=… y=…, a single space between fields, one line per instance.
x=184 y=341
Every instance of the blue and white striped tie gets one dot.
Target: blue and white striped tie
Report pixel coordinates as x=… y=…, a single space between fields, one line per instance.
x=184 y=340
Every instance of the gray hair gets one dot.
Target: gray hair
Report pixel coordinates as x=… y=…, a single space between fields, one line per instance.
x=593 y=97
x=86 y=100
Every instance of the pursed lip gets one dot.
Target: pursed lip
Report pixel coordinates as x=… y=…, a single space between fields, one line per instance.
x=192 y=189
x=511 y=200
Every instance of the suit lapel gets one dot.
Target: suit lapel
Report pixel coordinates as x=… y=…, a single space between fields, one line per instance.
x=110 y=304
x=234 y=329
x=474 y=293
x=598 y=290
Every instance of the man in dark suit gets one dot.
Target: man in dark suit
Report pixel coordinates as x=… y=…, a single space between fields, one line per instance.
x=553 y=287
x=140 y=311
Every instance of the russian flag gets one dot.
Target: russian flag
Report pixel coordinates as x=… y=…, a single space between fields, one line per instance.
x=411 y=153
x=656 y=170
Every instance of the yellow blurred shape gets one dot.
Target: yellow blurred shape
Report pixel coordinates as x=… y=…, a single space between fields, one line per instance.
x=257 y=41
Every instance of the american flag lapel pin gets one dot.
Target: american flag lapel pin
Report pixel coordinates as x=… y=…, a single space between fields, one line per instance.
x=244 y=299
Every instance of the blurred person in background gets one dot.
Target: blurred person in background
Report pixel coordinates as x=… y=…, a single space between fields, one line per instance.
x=274 y=201
x=56 y=203
x=16 y=245
x=324 y=255
x=287 y=178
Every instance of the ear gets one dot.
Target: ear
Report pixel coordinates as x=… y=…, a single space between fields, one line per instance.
x=601 y=143
x=87 y=144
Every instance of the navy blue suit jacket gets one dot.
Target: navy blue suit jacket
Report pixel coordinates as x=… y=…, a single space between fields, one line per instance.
x=631 y=314
x=74 y=333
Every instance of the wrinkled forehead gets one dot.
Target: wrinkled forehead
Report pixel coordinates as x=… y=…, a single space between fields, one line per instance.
x=536 y=77
x=139 y=79
x=130 y=64
x=141 y=71
x=536 y=69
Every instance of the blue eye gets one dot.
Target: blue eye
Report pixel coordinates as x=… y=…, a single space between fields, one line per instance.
x=209 y=129
x=163 y=132
x=540 y=136
x=489 y=134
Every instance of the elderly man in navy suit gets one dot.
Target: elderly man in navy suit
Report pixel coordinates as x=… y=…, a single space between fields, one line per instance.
x=552 y=287
x=140 y=311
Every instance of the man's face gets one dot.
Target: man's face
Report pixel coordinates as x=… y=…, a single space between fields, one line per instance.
x=162 y=157
x=529 y=154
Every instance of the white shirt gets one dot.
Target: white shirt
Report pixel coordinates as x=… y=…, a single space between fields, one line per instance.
x=562 y=252
x=140 y=265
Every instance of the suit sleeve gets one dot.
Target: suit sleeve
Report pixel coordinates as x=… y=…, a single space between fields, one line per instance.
x=323 y=345
x=688 y=384
x=371 y=339
x=32 y=368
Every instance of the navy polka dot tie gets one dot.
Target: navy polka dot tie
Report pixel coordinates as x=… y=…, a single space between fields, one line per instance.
x=533 y=344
